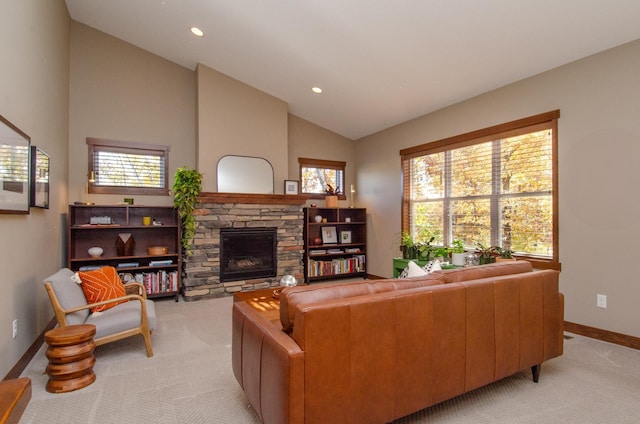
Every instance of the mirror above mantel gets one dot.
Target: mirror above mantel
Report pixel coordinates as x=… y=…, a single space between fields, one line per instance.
x=244 y=174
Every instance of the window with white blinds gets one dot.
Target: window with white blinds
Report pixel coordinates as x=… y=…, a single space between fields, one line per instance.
x=121 y=167
x=496 y=186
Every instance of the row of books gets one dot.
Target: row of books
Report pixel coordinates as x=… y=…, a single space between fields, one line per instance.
x=156 y=282
x=350 y=265
x=334 y=251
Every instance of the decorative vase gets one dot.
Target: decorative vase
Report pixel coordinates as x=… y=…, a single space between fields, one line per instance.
x=331 y=201
x=458 y=259
x=317 y=241
x=95 y=252
x=125 y=244
x=318 y=218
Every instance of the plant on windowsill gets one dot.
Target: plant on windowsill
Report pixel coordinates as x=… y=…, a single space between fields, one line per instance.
x=441 y=253
x=331 y=196
x=186 y=188
x=407 y=245
x=504 y=255
x=457 y=253
x=484 y=254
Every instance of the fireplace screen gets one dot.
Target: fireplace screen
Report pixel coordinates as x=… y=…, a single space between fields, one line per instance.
x=247 y=253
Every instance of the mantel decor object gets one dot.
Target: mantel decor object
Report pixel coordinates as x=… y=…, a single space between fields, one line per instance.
x=125 y=244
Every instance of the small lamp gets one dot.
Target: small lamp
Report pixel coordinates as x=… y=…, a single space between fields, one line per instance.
x=353 y=190
x=91 y=178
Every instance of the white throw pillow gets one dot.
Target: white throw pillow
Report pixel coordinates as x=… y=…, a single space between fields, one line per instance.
x=434 y=265
x=412 y=270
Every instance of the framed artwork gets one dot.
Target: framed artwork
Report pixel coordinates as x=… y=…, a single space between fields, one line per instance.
x=345 y=237
x=291 y=187
x=329 y=235
x=39 y=184
x=14 y=168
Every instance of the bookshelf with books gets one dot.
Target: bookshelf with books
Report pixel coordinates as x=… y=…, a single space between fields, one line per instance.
x=335 y=243
x=141 y=242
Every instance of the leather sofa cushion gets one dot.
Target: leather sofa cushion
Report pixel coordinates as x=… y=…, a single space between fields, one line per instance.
x=291 y=297
x=484 y=271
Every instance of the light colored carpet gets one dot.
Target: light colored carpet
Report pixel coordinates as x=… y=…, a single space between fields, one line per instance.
x=189 y=380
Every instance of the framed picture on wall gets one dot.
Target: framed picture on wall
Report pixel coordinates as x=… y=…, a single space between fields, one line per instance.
x=14 y=168
x=39 y=184
x=291 y=187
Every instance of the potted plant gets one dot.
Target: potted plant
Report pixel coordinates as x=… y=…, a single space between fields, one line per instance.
x=186 y=188
x=424 y=249
x=331 y=196
x=441 y=253
x=484 y=254
x=407 y=245
x=504 y=255
x=457 y=253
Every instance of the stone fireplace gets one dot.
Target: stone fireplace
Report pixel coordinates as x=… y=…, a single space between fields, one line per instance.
x=248 y=253
x=230 y=213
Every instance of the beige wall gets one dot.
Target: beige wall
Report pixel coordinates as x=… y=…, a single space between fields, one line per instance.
x=307 y=140
x=119 y=91
x=237 y=119
x=599 y=146
x=34 y=64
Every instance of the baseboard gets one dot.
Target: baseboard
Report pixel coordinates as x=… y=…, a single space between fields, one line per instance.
x=604 y=335
x=22 y=363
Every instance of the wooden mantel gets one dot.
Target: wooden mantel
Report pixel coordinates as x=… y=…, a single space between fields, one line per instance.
x=247 y=198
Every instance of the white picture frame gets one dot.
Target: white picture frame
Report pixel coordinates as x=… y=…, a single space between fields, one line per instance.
x=329 y=235
x=345 y=237
x=291 y=187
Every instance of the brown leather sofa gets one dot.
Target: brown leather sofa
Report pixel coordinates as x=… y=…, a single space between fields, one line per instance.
x=377 y=350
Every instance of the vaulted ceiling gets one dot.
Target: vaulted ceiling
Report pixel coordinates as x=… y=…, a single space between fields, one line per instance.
x=379 y=62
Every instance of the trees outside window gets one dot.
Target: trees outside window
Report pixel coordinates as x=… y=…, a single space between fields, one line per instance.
x=496 y=186
x=317 y=174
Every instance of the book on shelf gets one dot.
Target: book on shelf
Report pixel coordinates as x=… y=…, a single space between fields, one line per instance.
x=161 y=263
x=352 y=250
x=318 y=252
x=331 y=251
x=354 y=264
x=158 y=282
x=128 y=264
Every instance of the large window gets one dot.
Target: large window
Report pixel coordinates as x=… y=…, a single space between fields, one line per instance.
x=120 y=167
x=496 y=186
x=317 y=174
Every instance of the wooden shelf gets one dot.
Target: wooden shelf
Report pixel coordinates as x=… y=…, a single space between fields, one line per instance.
x=82 y=234
x=349 y=225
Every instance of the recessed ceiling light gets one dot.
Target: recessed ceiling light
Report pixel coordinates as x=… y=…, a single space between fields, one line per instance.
x=317 y=90
x=197 y=32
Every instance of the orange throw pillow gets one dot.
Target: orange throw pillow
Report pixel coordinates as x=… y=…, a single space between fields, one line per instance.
x=102 y=284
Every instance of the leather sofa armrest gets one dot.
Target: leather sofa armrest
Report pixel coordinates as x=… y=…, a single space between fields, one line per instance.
x=269 y=365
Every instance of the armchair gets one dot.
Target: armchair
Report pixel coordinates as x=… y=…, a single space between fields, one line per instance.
x=137 y=316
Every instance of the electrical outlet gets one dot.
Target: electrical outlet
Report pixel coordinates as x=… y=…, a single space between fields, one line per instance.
x=15 y=328
x=601 y=301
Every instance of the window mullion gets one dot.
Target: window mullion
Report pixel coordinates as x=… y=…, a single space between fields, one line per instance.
x=496 y=191
x=446 y=207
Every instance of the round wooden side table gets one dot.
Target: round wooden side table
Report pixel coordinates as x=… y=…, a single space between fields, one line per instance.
x=71 y=359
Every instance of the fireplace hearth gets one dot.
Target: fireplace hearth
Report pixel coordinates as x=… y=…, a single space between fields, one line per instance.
x=247 y=253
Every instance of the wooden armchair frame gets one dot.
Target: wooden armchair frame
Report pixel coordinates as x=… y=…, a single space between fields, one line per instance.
x=135 y=292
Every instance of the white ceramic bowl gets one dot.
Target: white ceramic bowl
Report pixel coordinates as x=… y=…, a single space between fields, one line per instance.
x=95 y=252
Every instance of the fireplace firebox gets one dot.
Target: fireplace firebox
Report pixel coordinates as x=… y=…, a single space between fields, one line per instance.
x=248 y=253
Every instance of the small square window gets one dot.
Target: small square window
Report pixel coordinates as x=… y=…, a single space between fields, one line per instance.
x=317 y=175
